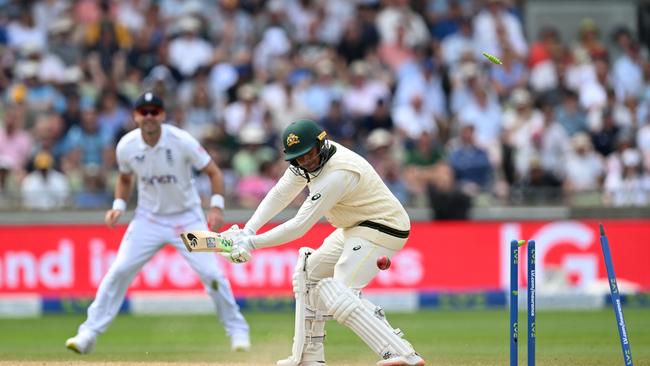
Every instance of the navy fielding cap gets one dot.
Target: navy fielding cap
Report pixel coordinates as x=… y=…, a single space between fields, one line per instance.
x=148 y=99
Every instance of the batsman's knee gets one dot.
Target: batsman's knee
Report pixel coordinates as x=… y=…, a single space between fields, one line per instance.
x=337 y=299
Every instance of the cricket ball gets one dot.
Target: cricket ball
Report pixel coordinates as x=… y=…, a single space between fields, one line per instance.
x=383 y=262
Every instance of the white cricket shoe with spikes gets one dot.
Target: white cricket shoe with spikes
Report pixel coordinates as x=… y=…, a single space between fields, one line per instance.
x=240 y=343
x=81 y=343
x=410 y=360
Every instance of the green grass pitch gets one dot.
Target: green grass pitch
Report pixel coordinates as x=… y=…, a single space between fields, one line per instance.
x=478 y=337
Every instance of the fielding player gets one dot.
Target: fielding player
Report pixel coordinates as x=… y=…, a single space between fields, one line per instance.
x=327 y=281
x=160 y=158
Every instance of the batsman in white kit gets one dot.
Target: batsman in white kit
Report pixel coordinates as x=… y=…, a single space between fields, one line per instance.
x=160 y=157
x=370 y=223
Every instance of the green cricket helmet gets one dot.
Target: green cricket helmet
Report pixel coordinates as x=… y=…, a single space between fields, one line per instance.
x=299 y=138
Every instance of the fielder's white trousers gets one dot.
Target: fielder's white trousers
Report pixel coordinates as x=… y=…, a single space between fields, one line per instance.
x=145 y=236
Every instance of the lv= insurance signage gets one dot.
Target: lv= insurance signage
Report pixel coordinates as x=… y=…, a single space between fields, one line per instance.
x=70 y=260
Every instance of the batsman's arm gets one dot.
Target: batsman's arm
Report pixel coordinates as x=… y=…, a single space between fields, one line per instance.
x=287 y=188
x=323 y=197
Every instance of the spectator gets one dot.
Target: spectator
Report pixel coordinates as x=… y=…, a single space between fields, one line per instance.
x=545 y=60
x=627 y=70
x=589 y=40
x=188 y=51
x=383 y=156
x=554 y=143
x=446 y=16
x=359 y=36
x=251 y=189
x=339 y=126
x=483 y=111
x=520 y=124
x=321 y=91
x=570 y=114
x=230 y=24
x=248 y=160
x=454 y=46
x=510 y=75
x=447 y=202
x=399 y=12
x=24 y=31
x=246 y=110
x=380 y=118
x=283 y=100
x=44 y=188
x=540 y=186
x=93 y=194
x=604 y=140
x=470 y=163
x=61 y=42
x=397 y=53
x=15 y=143
x=360 y=99
x=423 y=78
x=584 y=167
x=420 y=158
x=112 y=116
x=413 y=120
x=496 y=28
x=274 y=45
x=200 y=113
x=107 y=38
x=86 y=144
x=626 y=188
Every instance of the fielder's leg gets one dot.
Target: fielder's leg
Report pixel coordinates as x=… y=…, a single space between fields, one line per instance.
x=139 y=244
x=218 y=288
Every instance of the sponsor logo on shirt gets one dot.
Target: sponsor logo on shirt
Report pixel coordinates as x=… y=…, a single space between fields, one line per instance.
x=159 y=179
x=139 y=158
x=168 y=154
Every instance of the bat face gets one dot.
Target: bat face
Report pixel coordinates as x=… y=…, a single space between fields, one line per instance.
x=205 y=241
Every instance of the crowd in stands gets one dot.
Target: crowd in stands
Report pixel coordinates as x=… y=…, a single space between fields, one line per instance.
x=561 y=121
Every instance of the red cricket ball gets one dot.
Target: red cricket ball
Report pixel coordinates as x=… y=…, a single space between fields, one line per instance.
x=383 y=262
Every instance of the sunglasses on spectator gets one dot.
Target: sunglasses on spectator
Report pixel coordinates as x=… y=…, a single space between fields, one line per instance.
x=149 y=112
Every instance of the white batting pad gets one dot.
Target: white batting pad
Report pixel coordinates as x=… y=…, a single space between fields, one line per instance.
x=309 y=329
x=348 y=309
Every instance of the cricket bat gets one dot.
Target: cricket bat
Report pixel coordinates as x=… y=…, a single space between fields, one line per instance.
x=206 y=241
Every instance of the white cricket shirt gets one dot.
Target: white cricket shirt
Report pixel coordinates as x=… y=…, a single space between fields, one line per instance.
x=347 y=192
x=164 y=171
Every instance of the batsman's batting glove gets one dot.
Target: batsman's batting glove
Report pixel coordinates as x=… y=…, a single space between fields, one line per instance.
x=242 y=247
x=234 y=232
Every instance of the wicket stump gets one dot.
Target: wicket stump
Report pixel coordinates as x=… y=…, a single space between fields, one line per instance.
x=616 y=298
x=514 y=301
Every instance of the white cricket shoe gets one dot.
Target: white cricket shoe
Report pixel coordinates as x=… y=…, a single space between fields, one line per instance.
x=312 y=355
x=291 y=362
x=240 y=342
x=81 y=343
x=410 y=360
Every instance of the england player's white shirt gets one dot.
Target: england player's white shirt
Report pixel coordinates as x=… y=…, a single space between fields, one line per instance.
x=163 y=172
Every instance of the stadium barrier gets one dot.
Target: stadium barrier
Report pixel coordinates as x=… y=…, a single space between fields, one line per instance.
x=454 y=265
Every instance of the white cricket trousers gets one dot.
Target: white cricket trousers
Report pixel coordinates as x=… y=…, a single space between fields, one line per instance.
x=145 y=236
